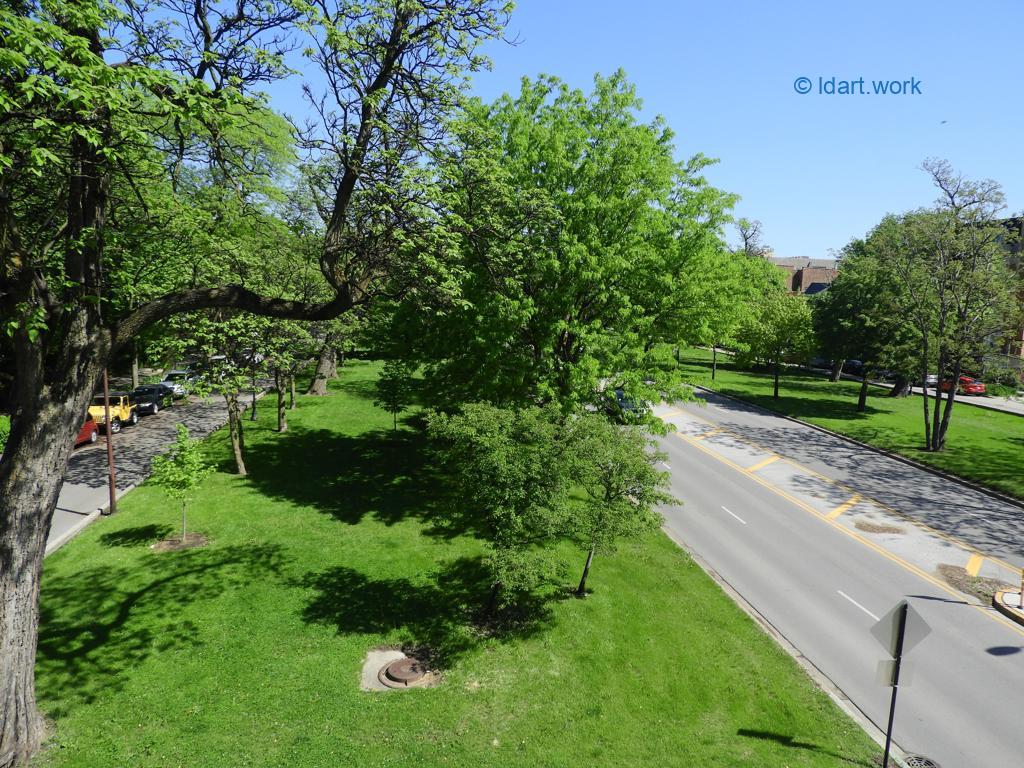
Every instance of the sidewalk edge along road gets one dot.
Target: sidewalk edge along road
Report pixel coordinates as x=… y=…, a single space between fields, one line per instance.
x=818 y=677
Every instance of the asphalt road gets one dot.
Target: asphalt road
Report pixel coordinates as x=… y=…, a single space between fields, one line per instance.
x=823 y=590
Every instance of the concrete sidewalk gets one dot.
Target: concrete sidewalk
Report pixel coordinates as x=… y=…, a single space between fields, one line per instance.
x=85 y=495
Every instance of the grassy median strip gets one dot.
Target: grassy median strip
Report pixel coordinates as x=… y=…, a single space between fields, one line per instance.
x=247 y=652
x=982 y=445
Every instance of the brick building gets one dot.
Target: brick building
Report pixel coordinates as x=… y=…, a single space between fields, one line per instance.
x=805 y=275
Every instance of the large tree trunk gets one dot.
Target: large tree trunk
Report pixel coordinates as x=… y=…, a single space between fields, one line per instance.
x=282 y=419
x=862 y=398
x=900 y=388
x=292 y=404
x=714 y=361
x=326 y=369
x=48 y=400
x=837 y=370
x=775 y=392
x=29 y=484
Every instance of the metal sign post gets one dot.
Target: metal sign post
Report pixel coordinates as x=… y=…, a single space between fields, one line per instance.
x=898 y=631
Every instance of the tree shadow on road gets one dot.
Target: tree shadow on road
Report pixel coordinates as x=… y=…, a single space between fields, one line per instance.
x=97 y=624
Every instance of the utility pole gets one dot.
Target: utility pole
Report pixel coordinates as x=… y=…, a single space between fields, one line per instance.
x=111 y=471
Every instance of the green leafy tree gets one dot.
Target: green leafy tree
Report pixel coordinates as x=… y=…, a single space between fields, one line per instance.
x=955 y=290
x=100 y=98
x=617 y=471
x=856 y=317
x=180 y=471
x=514 y=469
x=781 y=332
x=569 y=223
x=394 y=388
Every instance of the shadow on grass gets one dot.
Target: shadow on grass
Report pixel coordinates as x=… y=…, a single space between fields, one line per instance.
x=390 y=475
x=137 y=536
x=97 y=624
x=440 y=615
x=788 y=741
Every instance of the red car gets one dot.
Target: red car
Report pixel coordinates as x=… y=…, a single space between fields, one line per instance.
x=89 y=433
x=967 y=386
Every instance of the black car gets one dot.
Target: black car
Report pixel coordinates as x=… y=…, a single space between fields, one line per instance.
x=150 y=398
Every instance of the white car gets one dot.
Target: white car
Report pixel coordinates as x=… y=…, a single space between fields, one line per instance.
x=180 y=381
x=931 y=380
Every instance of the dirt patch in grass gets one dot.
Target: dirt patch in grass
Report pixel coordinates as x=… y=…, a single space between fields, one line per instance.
x=982 y=588
x=175 y=544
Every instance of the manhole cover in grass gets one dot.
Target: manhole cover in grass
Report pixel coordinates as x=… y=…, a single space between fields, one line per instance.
x=402 y=673
x=920 y=761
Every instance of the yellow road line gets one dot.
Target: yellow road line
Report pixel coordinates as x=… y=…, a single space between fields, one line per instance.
x=853 y=535
x=881 y=504
x=974 y=564
x=851 y=502
x=763 y=463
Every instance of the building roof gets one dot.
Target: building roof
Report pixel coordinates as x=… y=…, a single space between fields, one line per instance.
x=802 y=262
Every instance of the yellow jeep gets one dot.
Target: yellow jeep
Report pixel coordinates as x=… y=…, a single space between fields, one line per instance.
x=122 y=411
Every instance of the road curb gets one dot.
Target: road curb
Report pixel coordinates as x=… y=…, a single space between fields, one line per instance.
x=820 y=679
x=1014 y=614
x=1005 y=498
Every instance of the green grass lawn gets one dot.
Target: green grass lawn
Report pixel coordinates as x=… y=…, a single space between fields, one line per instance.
x=247 y=652
x=982 y=445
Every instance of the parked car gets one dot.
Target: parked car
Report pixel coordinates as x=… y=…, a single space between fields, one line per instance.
x=624 y=410
x=931 y=380
x=181 y=382
x=965 y=386
x=150 y=398
x=853 y=367
x=89 y=433
x=122 y=411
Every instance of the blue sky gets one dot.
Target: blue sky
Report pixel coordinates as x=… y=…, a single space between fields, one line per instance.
x=815 y=169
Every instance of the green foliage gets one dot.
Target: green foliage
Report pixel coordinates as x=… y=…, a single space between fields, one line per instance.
x=780 y=332
x=181 y=470
x=858 y=317
x=394 y=390
x=571 y=224
x=513 y=468
x=617 y=470
x=538 y=477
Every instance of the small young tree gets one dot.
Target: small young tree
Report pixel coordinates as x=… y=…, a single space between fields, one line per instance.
x=180 y=471
x=616 y=469
x=780 y=333
x=514 y=469
x=394 y=389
